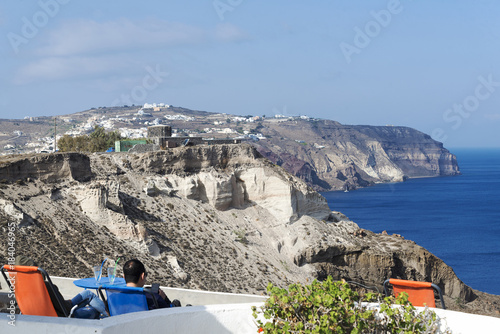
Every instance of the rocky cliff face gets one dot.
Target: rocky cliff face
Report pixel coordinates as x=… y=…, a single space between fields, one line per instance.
x=325 y=154
x=332 y=156
x=209 y=217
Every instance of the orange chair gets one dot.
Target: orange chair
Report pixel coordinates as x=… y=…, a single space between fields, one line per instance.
x=419 y=293
x=30 y=286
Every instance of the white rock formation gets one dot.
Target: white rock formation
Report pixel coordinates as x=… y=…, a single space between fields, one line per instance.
x=96 y=204
x=20 y=218
x=285 y=200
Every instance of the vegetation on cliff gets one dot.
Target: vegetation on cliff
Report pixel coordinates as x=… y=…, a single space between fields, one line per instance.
x=323 y=153
x=98 y=141
x=213 y=217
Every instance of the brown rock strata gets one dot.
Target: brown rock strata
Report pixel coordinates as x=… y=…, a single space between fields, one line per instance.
x=73 y=210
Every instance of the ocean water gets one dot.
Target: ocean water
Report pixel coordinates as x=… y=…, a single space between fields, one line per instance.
x=457 y=218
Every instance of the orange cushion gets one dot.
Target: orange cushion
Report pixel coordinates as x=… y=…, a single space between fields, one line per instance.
x=30 y=290
x=419 y=293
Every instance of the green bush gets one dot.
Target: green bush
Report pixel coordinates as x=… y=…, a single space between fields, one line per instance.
x=98 y=141
x=333 y=307
x=241 y=237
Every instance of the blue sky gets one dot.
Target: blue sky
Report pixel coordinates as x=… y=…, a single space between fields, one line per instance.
x=431 y=65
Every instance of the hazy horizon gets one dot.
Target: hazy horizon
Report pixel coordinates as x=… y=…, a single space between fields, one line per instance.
x=426 y=65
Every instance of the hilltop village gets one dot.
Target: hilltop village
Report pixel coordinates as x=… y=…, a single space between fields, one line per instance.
x=133 y=123
x=192 y=211
x=325 y=154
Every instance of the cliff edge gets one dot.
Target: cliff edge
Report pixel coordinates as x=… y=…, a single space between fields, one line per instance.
x=331 y=156
x=323 y=153
x=216 y=217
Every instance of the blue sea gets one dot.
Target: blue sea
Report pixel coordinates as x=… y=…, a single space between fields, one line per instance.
x=457 y=218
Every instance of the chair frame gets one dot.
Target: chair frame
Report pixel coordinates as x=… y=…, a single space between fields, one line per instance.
x=432 y=285
x=144 y=290
x=46 y=278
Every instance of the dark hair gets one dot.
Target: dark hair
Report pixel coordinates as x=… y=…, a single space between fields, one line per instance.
x=132 y=270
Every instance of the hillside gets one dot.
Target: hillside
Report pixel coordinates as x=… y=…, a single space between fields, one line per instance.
x=325 y=154
x=218 y=217
x=332 y=156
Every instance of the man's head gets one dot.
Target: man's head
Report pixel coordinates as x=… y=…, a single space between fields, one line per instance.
x=135 y=273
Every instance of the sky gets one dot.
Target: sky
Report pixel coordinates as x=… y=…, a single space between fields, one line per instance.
x=429 y=65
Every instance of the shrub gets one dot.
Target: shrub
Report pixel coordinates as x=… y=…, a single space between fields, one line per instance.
x=333 y=307
x=241 y=236
x=98 y=141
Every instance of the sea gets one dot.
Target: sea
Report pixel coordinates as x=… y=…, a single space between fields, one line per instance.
x=457 y=218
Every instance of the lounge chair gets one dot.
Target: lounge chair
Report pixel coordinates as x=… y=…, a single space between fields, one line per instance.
x=124 y=299
x=419 y=293
x=31 y=287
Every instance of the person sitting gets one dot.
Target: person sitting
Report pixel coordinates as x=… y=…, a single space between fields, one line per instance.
x=135 y=276
x=95 y=309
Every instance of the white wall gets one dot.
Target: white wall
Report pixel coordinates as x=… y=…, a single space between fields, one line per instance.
x=186 y=296
x=232 y=315
x=220 y=319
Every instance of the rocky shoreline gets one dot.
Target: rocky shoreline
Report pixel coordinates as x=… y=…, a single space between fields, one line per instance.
x=330 y=156
x=217 y=217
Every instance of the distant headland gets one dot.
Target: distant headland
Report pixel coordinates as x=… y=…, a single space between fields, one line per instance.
x=325 y=154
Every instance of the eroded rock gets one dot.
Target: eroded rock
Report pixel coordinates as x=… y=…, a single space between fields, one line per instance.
x=224 y=219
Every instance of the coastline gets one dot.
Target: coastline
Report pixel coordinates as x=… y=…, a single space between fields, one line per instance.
x=430 y=211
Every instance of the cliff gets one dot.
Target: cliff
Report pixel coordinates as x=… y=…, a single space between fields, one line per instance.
x=331 y=156
x=323 y=153
x=216 y=217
